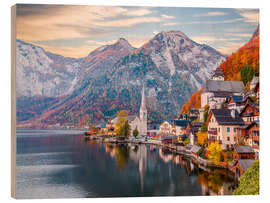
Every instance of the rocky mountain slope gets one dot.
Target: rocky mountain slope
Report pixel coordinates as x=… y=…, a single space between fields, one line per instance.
x=171 y=66
x=40 y=73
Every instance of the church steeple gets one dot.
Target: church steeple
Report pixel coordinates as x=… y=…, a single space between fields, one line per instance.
x=143 y=114
x=143 y=106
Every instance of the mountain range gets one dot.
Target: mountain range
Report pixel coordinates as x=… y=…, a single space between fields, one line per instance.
x=53 y=89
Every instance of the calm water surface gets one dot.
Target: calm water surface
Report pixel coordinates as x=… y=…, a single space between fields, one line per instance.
x=61 y=164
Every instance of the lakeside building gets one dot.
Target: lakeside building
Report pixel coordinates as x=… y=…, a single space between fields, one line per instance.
x=243 y=152
x=237 y=102
x=222 y=127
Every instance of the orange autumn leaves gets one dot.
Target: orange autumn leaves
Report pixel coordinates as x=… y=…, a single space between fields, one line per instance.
x=246 y=56
x=193 y=102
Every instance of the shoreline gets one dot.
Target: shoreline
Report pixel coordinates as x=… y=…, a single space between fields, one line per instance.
x=182 y=150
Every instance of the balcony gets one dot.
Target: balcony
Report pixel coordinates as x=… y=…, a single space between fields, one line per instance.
x=212 y=132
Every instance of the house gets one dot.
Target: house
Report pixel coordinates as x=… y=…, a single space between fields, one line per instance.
x=193 y=114
x=254 y=136
x=250 y=113
x=165 y=128
x=191 y=130
x=179 y=126
x=217 y=91
x=218 y=74
x=237 y=102
x=222 y=127
x=242 y=165
x=243 y=152
x=152 y=129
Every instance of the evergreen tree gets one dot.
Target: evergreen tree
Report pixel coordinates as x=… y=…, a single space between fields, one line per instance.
x=135 y=132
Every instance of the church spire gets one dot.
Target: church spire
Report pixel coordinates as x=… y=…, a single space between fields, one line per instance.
x=143 y=106
x=143 y=115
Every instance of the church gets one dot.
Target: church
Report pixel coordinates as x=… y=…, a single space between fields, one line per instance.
x=139 y=122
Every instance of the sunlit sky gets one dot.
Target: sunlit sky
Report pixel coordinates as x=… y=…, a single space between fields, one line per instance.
x=74 y=31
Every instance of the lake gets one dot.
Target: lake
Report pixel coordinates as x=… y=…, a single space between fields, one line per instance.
x=62 y=164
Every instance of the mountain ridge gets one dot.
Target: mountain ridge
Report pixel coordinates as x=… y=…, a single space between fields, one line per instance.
x=171 y=66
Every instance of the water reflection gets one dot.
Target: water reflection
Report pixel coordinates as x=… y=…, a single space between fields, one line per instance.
x=215 y=182
x=122 y=157
x=68 y=166
x=212 y=182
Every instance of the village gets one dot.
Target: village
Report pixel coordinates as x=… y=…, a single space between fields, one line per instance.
x=223 y=133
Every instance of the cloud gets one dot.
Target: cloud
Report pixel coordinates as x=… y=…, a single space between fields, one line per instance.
x=205 y=39
x=138 y=12
x=50 y=22
x=213 y=22
x=227 y=45
x=170 y=24
x=213 y=13
x=249 y=15
x=230 y=47
x=241 y=35
x=167 y=17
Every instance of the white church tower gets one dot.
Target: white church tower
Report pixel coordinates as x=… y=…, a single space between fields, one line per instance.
x=143 y=116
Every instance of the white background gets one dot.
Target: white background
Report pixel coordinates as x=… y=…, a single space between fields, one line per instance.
x=5 y=140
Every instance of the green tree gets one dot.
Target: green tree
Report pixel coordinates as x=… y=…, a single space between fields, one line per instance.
x=135 y=132
x=204 y=128
x=249 y=181
x=214 y=151
x=247 y=74
x=126 y=129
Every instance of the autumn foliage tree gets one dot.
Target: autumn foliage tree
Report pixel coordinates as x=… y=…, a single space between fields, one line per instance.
x=122 y=125
x=193 y=102
x=246 y=56
x=202 y=138
x=214 y=150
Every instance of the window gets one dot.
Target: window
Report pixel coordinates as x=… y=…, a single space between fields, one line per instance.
x=234 y=130
x=228 y=138
x=228 y=130
x=255 y=133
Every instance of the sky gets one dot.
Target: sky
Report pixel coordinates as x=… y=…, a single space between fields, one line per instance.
x=75 y=31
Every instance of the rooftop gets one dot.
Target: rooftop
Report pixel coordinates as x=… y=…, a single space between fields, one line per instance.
x=195 y=149
x=245 y=163
x=182 y=123
x=223 y=94
x=225 y=117
x=244 y=149
x=237 y=99
x=224 y=86
x=218 y=72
